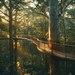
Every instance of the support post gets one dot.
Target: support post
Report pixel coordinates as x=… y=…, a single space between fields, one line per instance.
x=65 y=43
x=65 y=67
x=15 y=57
x=50 y=61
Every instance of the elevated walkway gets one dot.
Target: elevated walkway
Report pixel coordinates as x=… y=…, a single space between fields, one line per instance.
x=44 y=47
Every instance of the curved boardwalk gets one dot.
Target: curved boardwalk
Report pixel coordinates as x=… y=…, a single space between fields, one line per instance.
x=44 y=47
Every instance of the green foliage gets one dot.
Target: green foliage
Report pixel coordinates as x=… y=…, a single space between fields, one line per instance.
x=1 y=5
x=69 y=25
x=71 y=12
x=41 y=28
x=4 y=57
x=4 y=27
x=27 y=50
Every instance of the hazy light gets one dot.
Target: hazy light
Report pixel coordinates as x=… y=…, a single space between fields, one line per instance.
x=70 y=7
x=2 y=14
x=3 y=20
x=47 y=13
x=8 y=36
x=32 y=5
x=29 y=23
x=18 y=63
x=17 y=36
x=28 y=0
x=6 y=18
x=35 y=2
x=18 y=44
x=6 y=0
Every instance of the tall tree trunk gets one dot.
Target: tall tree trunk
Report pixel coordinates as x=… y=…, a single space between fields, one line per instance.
x=10 y=40
x=46 y=67
x=15 y=41
x=54 y=65
x=54 y=21
x=65 y=43
x=54 y=35
x=64 y=29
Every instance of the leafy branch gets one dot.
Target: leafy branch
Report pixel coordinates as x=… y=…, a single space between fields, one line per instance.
x=65 y=7
x=4 y=13
x=5 y=5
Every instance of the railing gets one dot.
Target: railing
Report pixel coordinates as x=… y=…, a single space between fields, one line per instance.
x=60 y=50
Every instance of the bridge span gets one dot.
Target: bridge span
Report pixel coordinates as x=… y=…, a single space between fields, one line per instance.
x=44 y=47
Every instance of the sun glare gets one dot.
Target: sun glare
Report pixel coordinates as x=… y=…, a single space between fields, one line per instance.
x=2 y=14
x=70 y=7
x=6 y=0
x=8 y=36
x=32 y=5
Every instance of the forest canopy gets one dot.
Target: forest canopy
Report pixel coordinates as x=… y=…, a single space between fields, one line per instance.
x=46 y=20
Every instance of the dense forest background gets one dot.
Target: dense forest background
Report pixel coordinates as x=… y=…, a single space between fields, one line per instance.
x=31 y=17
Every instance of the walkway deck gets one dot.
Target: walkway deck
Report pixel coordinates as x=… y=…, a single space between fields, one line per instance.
x=44 y=47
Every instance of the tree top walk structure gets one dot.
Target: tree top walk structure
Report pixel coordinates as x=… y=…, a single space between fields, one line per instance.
x=62 y=51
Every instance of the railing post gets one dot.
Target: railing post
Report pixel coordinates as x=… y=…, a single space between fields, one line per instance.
x=37 y=43
x=15 y=57
x=65 y=60
x=65 y=67
x=50 y=61
x=52 y=49
x=65 y=52
x=44 y=46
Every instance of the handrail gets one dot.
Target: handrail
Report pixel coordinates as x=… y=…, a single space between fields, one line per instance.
x=41 y=45
x=54 y=43
x=37 y=37
x=40 y=40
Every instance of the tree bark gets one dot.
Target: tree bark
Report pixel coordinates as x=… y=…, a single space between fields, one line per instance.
x=54 y=66
x=54 y=31
x=46 y=67
x=54 y=36
x=54 y=21
x=65 y=43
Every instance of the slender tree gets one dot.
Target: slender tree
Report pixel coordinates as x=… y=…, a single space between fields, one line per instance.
x=15 y=39
x=10 y=39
